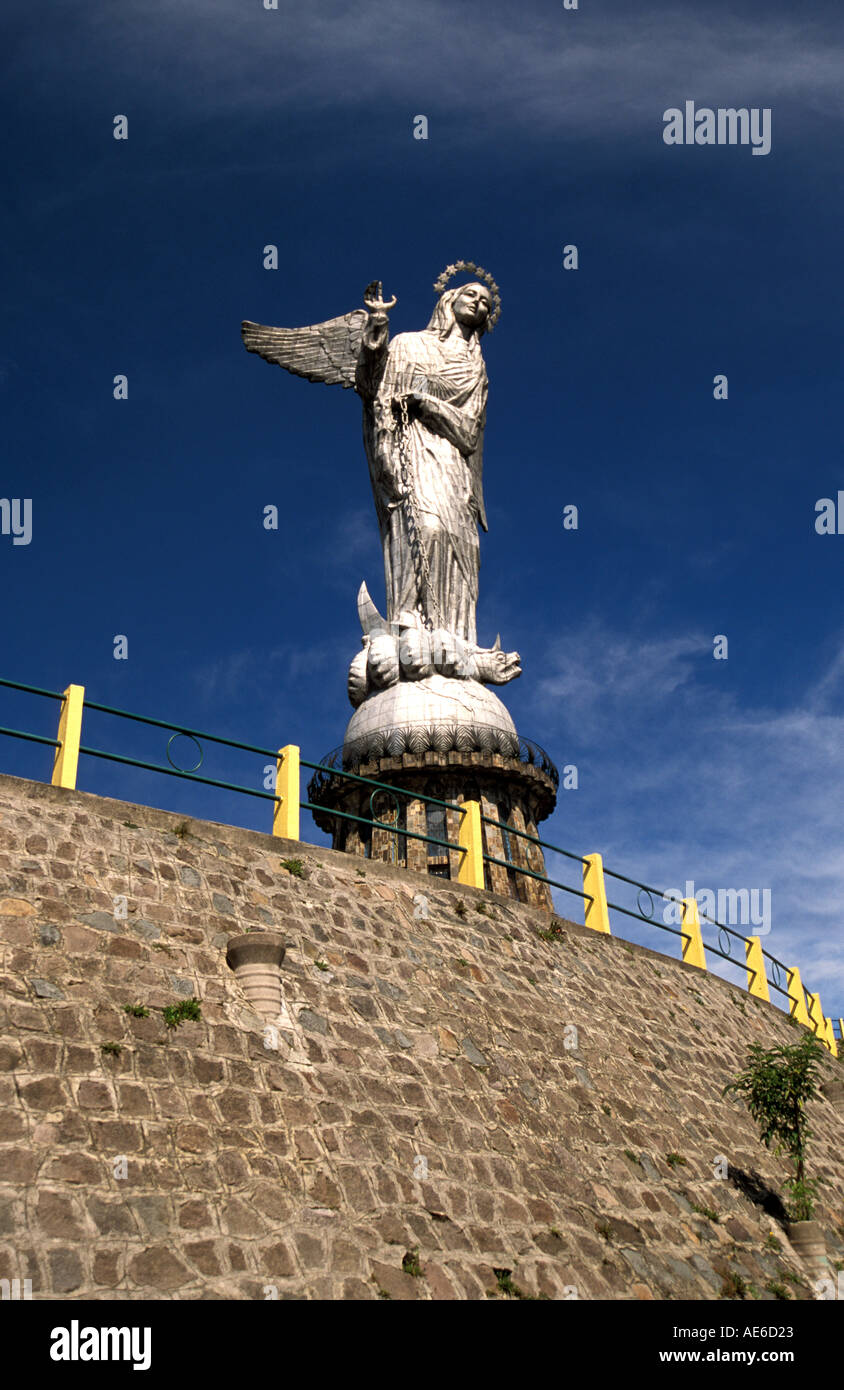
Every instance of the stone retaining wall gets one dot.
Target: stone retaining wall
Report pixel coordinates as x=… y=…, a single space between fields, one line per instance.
x=445 y=1092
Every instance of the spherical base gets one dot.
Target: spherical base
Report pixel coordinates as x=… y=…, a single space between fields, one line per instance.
x=437 y=714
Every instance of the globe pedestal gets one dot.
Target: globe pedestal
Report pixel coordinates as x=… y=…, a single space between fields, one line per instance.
x=453 y=741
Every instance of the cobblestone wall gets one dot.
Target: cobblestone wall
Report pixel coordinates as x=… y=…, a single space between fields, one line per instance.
x=455 y=1108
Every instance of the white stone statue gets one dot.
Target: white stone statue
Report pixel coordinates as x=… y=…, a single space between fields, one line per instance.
x=424 y=407
x=424 y=399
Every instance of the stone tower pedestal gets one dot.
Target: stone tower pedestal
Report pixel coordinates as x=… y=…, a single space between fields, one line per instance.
x=453 y=741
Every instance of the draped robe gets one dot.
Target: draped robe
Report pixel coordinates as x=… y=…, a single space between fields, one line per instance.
x=443 y=453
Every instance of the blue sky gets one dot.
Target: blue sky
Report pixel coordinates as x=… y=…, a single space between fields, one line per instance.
x=294 y=127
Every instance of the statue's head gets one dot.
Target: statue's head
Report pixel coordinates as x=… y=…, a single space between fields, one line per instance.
x=476 y=305
x=470 y=305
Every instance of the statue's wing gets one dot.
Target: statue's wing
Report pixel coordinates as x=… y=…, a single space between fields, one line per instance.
x=323 y=352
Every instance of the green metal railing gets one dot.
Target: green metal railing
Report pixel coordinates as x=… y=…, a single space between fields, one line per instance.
x=531 y=873
x=390 y=826
x=200 y=736
x=473 y=857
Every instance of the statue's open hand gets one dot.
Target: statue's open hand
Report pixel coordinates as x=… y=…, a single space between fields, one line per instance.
x=372 y=298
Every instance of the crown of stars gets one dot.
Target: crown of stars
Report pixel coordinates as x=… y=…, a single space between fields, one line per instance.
x=452 y=270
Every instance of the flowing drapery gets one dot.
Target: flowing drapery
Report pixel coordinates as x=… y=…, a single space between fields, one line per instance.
x=442 y=448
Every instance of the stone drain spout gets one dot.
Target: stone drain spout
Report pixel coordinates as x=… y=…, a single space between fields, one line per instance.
x=256 y=959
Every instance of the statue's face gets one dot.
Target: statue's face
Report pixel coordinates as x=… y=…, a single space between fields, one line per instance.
x=473 y=305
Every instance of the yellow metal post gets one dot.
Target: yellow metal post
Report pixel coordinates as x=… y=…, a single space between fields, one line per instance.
x=757 y=982
x=830 y=1037
x=288 y=796
x=70 y=733
x=816 y=1018
x=470 y=840
x=595 y=911
x=821 y=1025
x=795 y=994
x=692 y=941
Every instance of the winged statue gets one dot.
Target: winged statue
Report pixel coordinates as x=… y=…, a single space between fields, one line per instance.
x=424 y=399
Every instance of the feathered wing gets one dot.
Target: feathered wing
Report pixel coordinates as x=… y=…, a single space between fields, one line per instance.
x=323 y=352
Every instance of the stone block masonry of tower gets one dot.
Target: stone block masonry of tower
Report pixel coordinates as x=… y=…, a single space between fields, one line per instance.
x=514 y=797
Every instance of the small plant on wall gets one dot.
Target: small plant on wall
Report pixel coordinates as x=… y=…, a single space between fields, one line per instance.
x=175 y=1014
x=776 y=1084
x=136 y=1010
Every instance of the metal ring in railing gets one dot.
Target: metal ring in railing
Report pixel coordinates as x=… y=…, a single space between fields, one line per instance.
x=652 y=922
x=727 y=950
x=384 y=825
x=649 y=913
x=776 y=972
x=181 y=729
x=193 y=740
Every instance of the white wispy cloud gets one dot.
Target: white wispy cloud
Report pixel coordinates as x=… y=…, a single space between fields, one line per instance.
x=269 y=676
x=530 y=65
x=680 y=779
